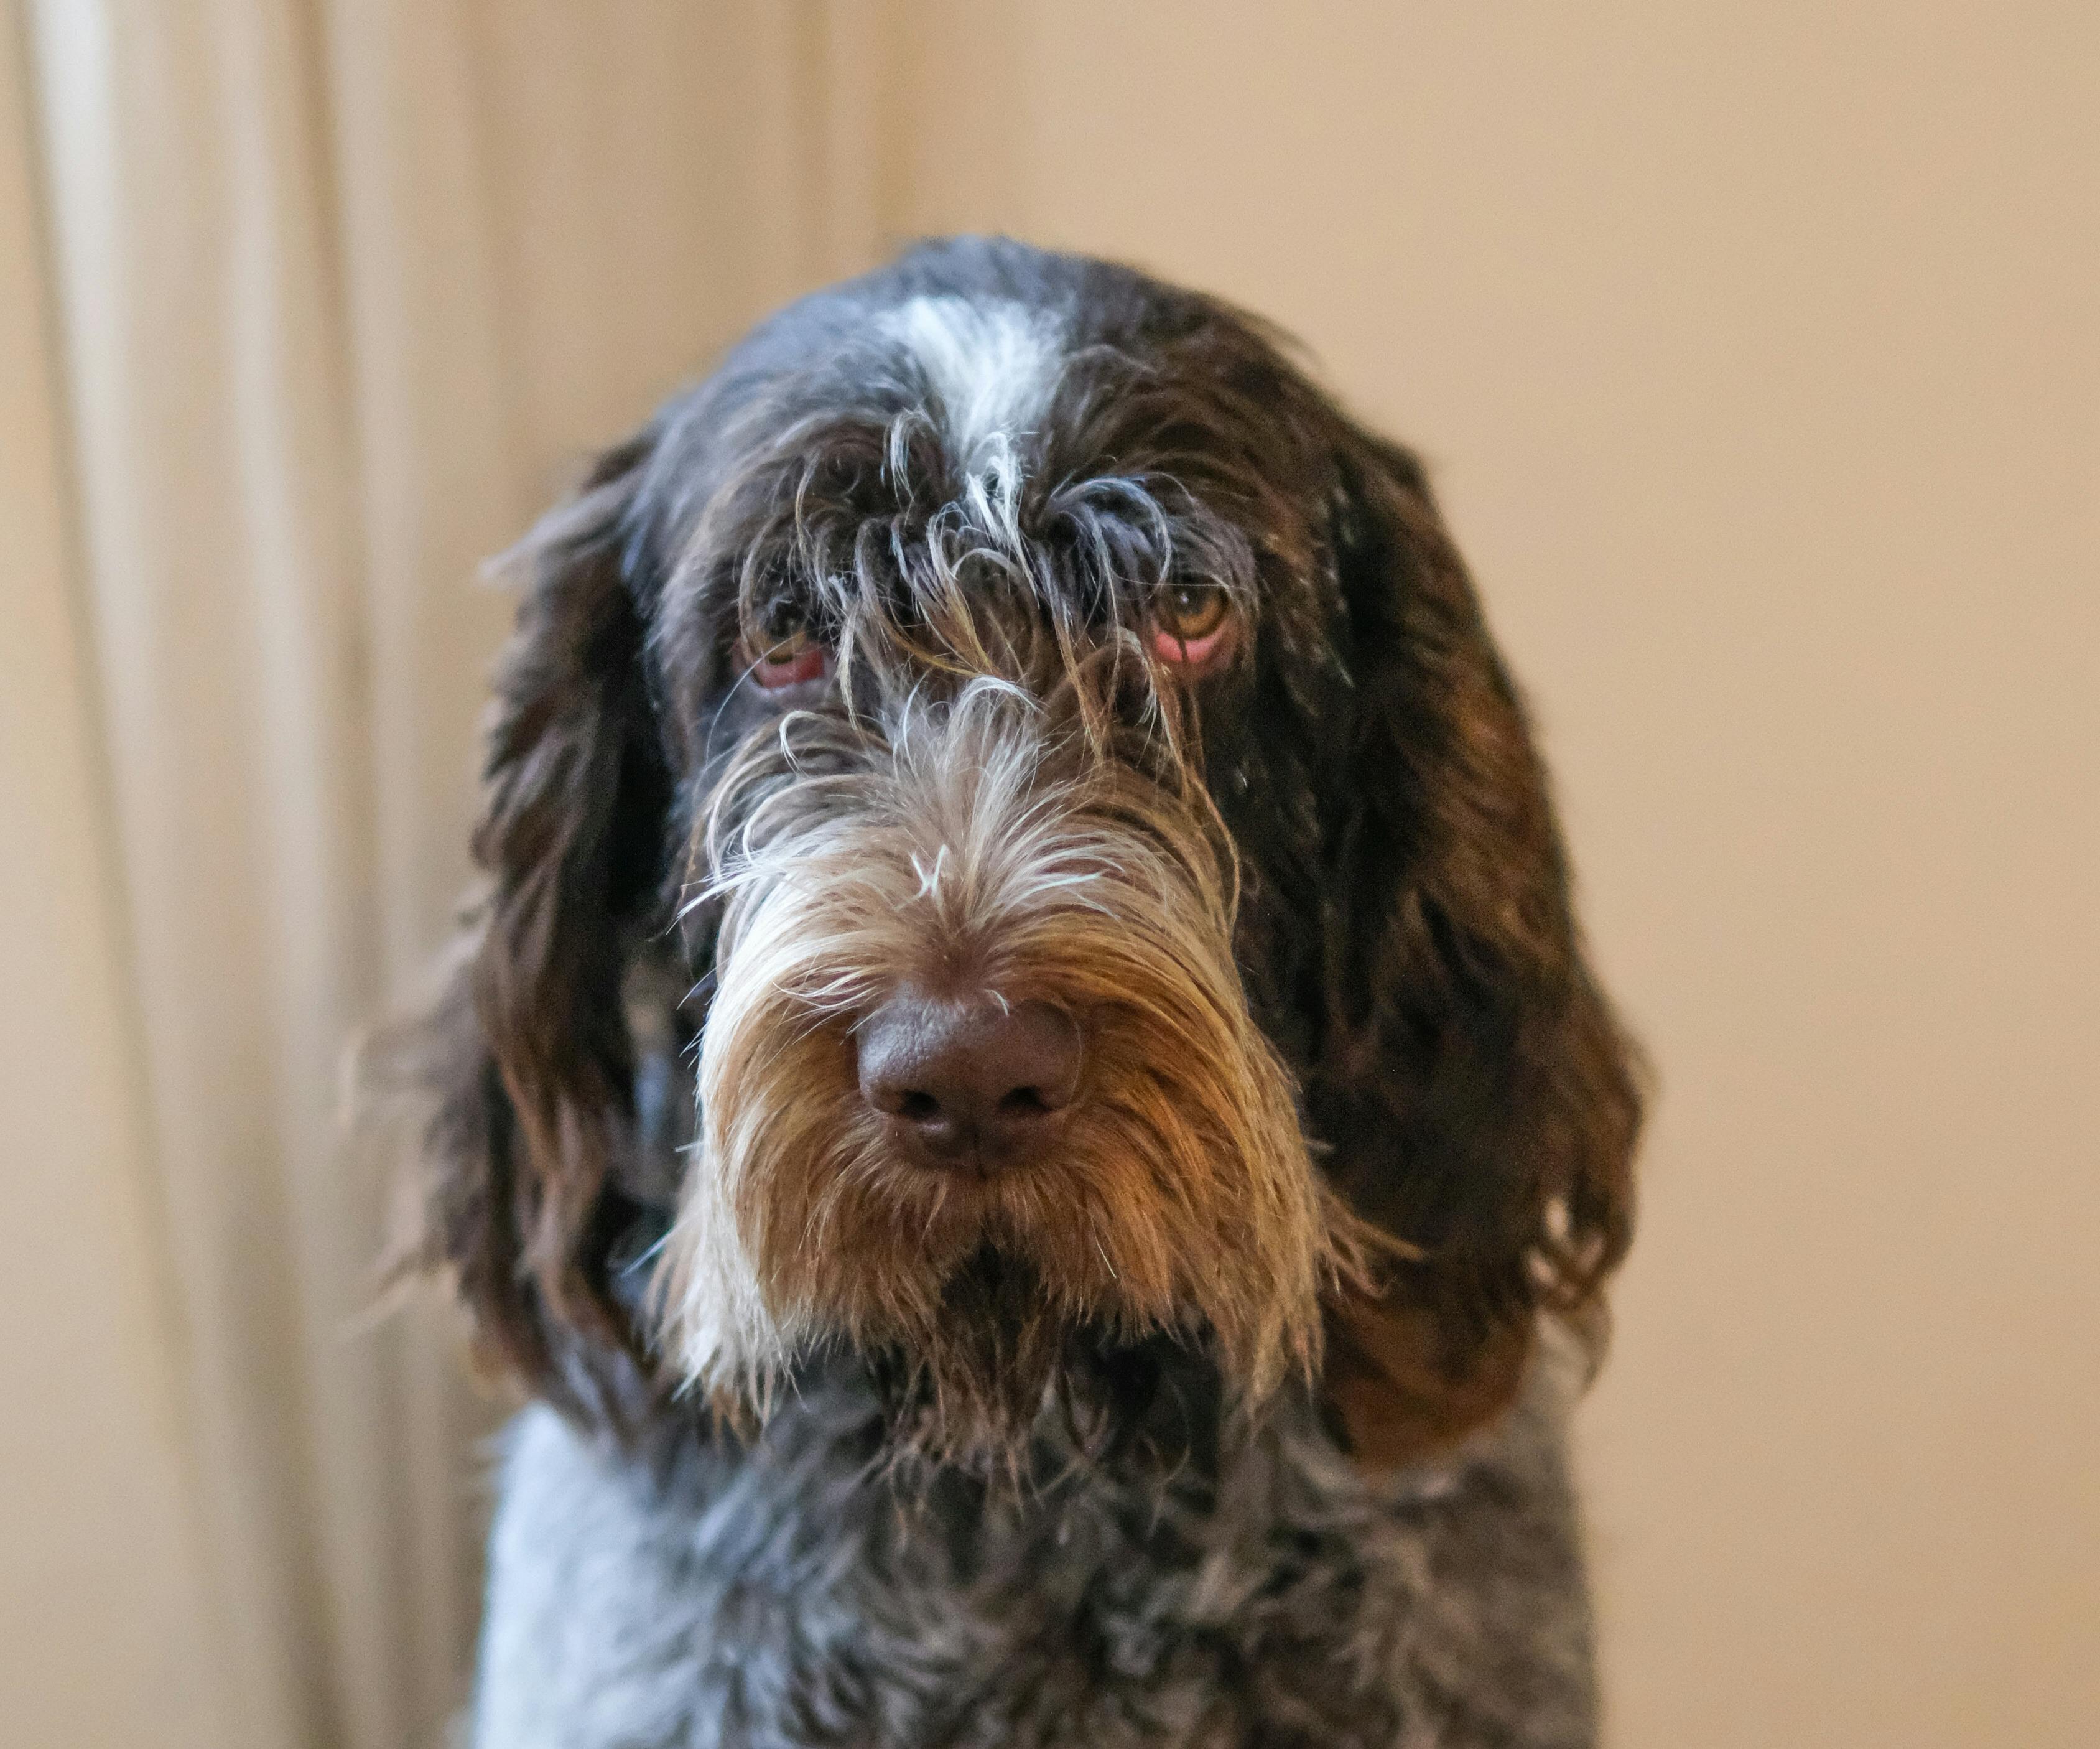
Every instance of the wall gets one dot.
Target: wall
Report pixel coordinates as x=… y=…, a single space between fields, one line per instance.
x=105 y=1605
x=1755 y=347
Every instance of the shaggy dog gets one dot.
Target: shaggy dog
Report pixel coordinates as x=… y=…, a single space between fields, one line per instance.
x=1023 y=1089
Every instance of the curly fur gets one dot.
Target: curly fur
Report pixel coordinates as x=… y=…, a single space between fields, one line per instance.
x=1213 y=1426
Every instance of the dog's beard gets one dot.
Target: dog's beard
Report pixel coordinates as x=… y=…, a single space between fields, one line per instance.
x=1179 y=1201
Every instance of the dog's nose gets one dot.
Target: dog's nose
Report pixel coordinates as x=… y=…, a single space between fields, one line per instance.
x=970 y=1082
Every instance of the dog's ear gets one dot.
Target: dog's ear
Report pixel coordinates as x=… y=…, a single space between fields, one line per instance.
x=1481 y=1100
x=524 y=1064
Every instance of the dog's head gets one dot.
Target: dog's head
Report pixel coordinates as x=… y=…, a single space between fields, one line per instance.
x=1053 y=767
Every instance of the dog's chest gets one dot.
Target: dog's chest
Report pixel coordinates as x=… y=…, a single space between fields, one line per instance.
x=709 y=1601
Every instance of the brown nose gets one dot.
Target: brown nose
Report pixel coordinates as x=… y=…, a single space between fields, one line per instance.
x=969 y=1082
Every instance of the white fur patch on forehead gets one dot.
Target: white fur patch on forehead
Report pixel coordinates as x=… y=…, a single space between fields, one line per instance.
x=992 y=365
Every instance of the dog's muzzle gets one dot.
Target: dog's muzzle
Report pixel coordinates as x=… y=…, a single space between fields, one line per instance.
x=978 y=1079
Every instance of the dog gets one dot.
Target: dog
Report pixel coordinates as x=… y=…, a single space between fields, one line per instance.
x=1022 y=1094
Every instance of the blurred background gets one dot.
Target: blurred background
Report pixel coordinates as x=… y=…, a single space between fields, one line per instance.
x=1756 y=347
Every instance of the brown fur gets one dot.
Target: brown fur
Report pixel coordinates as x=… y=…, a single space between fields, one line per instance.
x=1353 y=1085
x=974 y=846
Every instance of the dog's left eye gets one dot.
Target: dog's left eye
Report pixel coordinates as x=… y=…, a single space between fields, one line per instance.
x=791 y=655
x=1191 y=624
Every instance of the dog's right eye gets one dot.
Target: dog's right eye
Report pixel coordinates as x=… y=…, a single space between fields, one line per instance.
x=1192 y=626
x=791 y=655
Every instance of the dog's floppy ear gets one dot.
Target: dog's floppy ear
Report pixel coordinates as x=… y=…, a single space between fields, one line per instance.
x=524 y=1065
x=1482 y=1101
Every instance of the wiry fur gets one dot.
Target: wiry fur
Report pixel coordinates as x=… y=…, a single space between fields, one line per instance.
x=1355 y=1119
x=989 y=368
x=973 y=845
x=1270 y=1593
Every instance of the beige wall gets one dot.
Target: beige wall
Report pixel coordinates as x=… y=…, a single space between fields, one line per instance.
x=1758 y=349
x=105 y=1607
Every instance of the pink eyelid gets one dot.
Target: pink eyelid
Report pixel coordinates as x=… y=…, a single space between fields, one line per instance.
x=812 y=662
x=1192 y=652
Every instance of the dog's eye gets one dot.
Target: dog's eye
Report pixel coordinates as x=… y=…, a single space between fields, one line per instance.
x=790 y=654
x=1191 y=624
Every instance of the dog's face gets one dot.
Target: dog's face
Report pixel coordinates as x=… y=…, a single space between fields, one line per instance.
x=1119 y=892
